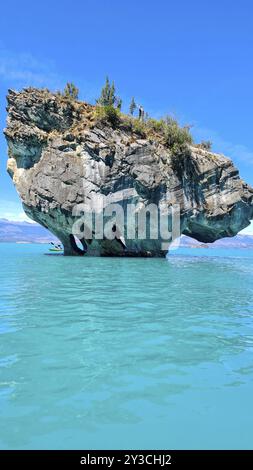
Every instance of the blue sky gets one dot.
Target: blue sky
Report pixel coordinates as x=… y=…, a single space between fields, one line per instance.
x=192 y=59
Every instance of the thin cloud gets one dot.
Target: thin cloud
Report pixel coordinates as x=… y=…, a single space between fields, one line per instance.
x=19 y=70
x=24 y=70
x=13 y=211
x=237 y=152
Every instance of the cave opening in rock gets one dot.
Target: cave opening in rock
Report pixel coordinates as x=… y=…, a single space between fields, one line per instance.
x=78 y=246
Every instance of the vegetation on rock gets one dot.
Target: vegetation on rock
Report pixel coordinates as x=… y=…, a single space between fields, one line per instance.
x=107 y=114
x=205 y=144
x=108 y=96
x=174 y=134
x=59 y=156
x=132 y=106
x=166 y=130
x=71 y=91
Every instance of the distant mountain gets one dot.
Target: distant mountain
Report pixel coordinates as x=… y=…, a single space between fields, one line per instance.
x=239 y=241
x=11 y=231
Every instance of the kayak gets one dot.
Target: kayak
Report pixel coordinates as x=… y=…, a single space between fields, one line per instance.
x=55 y=249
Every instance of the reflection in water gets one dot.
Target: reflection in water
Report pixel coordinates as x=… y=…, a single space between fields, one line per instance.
x=125 y=352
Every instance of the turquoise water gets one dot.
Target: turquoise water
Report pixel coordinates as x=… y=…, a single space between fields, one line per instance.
x=126 y=353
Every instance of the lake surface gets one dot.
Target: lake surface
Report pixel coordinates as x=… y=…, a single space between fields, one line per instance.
x=100 y=353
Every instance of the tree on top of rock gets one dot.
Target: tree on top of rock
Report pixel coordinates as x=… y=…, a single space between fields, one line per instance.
x=132 y=106
x=108 y=96
x=71 y=91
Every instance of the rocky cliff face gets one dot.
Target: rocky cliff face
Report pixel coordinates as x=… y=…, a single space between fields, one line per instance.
x=60 y=158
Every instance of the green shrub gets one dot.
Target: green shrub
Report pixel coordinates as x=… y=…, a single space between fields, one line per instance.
x=174 y=134
x=155 y=125
x=71 y=91
x=108 y=96
x=139 y=127
x=177 y=139
x=132 y=106
x=107 y=114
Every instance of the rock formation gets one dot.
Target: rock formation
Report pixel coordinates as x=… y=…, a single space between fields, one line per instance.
x=61 y=157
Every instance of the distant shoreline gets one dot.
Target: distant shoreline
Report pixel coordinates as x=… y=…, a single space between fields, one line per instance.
x=24 y=242
x=192 y=247
x=27 y=233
